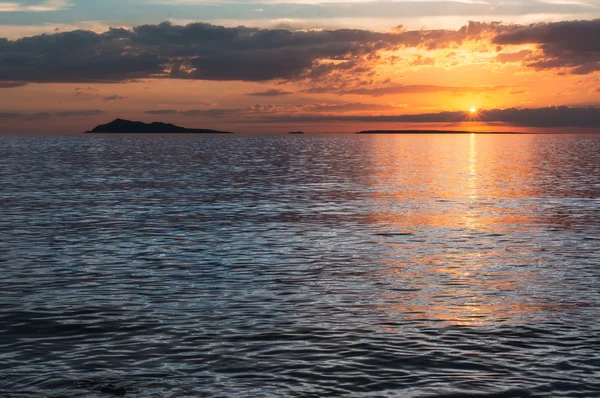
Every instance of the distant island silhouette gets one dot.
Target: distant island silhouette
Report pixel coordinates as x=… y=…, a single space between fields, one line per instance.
x=432 y=132
x=296 y=132
x=122 y=126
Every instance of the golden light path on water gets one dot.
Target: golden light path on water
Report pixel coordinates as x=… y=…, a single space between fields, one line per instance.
x=460 y=205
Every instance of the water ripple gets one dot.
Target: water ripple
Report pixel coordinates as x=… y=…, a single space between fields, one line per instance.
x=412 y=266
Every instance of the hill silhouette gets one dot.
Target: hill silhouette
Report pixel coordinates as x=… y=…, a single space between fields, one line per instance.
x=122 y=126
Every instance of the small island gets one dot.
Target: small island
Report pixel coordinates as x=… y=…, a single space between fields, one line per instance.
x=122 y=126
x=432 y=132
x=296 y=132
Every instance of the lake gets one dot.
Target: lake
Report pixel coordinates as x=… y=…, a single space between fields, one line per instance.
x=270 y=266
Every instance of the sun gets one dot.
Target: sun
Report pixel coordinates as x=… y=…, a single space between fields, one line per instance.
x=473 y=110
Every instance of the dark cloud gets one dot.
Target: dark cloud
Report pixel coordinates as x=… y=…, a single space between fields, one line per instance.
x=86 y=89
x=216 y=112
x=561 y=116
x=518 y=91
x=195 y=51
x=309 y=113
x=80 y=113
x=577 y=35
x=270 y=93
x=9 y=84
x=419 y=118
x=208 y=52
x=91 y=93
x=574 y=45
x=77 y=56
x=409 y=89
x=10 y=115
x=38 y=116
x=346 y=107
x=114 y=98
x=161 y=112
x=213 y=112
x=538 y=117
x=273 y=109
x=47 y=115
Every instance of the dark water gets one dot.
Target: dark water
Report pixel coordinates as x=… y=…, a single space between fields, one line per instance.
x=396 y=266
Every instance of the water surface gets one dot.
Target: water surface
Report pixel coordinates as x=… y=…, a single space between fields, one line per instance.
x=400 y=266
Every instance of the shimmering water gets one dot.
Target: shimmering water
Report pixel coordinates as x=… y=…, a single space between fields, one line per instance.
x=400 y=266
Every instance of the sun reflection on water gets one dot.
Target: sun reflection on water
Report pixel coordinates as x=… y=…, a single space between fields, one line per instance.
x=455 y=204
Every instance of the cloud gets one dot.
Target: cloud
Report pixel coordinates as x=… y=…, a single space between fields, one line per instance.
x=537 y=117
x=10 y=115
x=313 y=113
x=114 y=98
x=513 y=57
x=346 y=107
x=409 y=89
x=420 y=60
x=80 y=113
x=9 y=84
x=270 y=93
x=78 y=56
x=161 y=112
x=44 y=6
x=330 y=9
x=561 y=116
x=259 y=110
x=208 y=52
x=91 y=93
x=518 y=91
x=574 y=45
x=47 y=115
x=38 y=116
x=216 y=112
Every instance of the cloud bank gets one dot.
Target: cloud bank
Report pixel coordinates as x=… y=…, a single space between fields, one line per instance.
x=561 y=116
x=44 y=6
x=573 y=46
x=208 y=52
x=547 y=117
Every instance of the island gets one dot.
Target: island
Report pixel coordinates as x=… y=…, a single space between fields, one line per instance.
x=432 y=132
x=296 y=132
x=122 y=126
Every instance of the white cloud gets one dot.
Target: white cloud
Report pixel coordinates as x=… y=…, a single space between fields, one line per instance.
x=387 y=24
x=311 y=1
x=48 y=5
x=13 y=32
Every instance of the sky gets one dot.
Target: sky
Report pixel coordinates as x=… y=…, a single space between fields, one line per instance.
x=253 y=66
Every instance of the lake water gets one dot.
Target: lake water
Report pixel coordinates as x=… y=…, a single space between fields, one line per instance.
x=257 y=266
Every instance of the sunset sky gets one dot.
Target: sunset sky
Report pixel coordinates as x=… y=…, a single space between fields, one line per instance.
x=316 y=65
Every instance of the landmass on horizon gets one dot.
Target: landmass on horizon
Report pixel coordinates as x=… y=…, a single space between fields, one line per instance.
x=122 y=126
x=434 y=132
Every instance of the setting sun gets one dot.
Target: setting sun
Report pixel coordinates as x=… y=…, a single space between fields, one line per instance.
x=473 y=110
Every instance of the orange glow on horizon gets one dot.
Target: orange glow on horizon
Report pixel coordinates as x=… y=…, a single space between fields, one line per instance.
x=465 y=81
